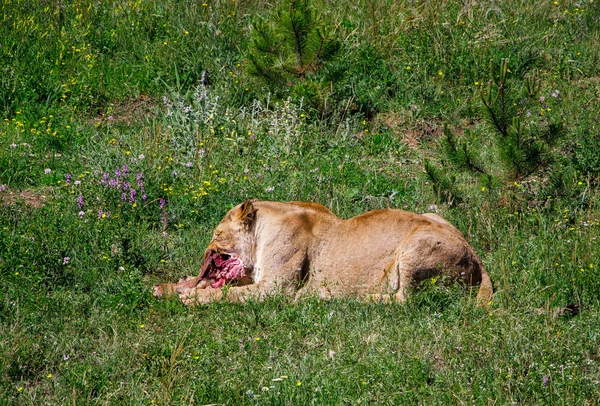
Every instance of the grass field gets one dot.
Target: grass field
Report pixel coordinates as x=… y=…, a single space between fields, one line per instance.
x=130 y=127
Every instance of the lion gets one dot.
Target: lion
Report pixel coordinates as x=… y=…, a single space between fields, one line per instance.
x=298 y=248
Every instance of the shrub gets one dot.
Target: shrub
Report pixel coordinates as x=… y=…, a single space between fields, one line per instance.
x=522 y=136
x=290 y=48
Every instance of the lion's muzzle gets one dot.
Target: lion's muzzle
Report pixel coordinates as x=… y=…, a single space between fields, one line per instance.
x=220 y=269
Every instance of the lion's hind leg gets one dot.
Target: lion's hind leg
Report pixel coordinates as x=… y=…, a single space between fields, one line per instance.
x=425 y=253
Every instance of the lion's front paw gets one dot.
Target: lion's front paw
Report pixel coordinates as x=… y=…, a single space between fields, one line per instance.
x=200 y=296
x=158 y=292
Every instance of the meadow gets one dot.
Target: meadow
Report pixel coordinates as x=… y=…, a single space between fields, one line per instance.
x=130 y=127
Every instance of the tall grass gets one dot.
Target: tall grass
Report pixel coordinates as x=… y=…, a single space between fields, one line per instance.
x=100 y=99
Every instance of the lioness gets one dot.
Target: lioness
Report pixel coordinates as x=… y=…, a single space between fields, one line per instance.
x=262 y=247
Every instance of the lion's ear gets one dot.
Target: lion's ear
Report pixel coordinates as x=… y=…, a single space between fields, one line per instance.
x=247 y=212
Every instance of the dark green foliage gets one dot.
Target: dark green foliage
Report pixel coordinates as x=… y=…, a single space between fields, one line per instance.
x=367 y=82
x=443 y=184
x=587 y=149
x=290 y=48
x=461 y=154
x=522 y=139
x=524 y=145
x=293 y=45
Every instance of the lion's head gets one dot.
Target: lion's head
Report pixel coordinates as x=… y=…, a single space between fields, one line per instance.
x=228 y=257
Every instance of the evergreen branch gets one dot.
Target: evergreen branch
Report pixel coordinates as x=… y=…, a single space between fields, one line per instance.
x=470 y=163
x=317 y=53
x=501 y=95
x=503 y=130
x=298 y=40
x=257 y=69
x=443 y=186
x=460 y=155
x=488 y=105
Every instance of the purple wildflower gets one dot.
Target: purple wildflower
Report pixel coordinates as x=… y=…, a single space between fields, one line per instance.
x=66 y=260
x=555 y=93
x=13 y=145
x=77 y=183
x=47 y=171
x=126 y=185
x=123 y=196
x=142 y=156
x=165 y=234
x=112 y=183
x=118 y=173
x=80 y=202
x=138 y=179
x=132 y=195
x=144 y=197
x=68 y=178
x=189 y=164
x=81 y=214
x=164 y=219
x=100 y=213
x=124 y=169
x=545 y=380
x=3 y=188
x=542 y=98
x=162 y=204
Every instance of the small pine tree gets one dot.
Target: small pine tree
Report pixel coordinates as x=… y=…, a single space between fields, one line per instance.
x=524 y=147
x=289 y=48
x=443 y=184
x=523 y=144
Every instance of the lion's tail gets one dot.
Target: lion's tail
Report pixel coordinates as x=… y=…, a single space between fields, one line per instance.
x=486 y=290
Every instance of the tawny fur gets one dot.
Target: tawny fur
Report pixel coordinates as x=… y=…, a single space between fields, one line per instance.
x=303 y=248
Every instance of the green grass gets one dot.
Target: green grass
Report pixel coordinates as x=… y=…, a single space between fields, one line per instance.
x=87 y=87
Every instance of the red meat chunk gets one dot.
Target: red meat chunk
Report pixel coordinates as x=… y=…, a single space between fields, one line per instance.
x=222 y=269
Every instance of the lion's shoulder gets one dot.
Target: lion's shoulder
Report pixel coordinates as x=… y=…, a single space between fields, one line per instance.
x=297 y=217
x=313 y=206
x=292 y=208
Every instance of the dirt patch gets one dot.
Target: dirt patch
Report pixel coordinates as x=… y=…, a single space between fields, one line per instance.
x=412 y=133
x=34 y=198
x=128 y=111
